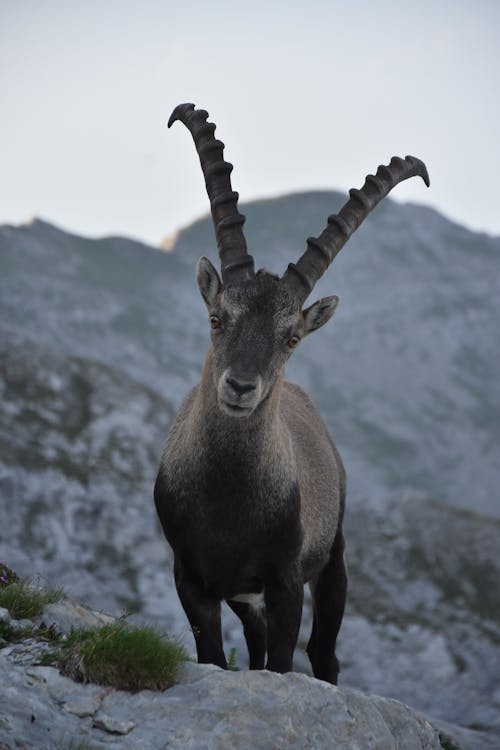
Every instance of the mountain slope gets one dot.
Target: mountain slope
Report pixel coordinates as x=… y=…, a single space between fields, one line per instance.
x=100 y=340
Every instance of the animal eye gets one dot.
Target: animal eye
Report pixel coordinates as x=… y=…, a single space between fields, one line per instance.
x=214 y=322
x=292 y=343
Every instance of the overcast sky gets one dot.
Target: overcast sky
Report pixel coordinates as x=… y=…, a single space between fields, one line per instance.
x=306 y=95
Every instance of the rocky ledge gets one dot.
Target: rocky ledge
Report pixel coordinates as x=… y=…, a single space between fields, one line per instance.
x=206 y=707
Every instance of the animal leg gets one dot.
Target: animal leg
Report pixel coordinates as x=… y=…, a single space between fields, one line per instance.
x=329 y=595
x=284 y=599
x=254 y=628
x=203 y=613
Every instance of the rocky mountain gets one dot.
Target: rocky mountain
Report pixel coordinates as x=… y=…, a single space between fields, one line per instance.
x=100 y=340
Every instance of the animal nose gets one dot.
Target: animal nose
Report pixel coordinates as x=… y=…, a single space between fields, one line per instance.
x=240 y=388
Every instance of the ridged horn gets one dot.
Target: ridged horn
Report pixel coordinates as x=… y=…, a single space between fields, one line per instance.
x=301 y=277
x=236 y=264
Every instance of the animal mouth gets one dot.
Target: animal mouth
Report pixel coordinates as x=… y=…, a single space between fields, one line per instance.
x=235 y=410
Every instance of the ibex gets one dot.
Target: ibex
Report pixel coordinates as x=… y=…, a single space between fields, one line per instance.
x=251 y=489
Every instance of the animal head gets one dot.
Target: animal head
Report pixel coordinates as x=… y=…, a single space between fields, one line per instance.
x=257 y=319
x=255 y=326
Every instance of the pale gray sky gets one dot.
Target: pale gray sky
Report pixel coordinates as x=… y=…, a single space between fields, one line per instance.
x=306 y=95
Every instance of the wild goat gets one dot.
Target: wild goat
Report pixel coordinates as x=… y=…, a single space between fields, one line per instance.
x=251 y=489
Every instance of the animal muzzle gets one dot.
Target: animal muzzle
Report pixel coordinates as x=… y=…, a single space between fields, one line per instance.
x=238 y=396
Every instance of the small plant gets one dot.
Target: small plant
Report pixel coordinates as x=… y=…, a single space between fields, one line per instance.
x=123 y=657
x=7 y=575
x=49 y=659
x=26 y=601
x=447 y=743
x=232 y=663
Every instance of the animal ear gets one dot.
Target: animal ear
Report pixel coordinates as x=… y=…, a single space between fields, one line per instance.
x=209 y=282
x=319 y=313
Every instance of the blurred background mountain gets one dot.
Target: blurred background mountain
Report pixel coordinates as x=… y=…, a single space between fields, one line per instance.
x=101 y=339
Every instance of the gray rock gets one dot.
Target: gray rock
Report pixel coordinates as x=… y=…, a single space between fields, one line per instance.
x=4 y=615
x=84 y=705
x=463 y=738
x=28 y=651
x=206 y=708
x=21 y=624
x=262 y=709
x=113 y=725
x=68 y=615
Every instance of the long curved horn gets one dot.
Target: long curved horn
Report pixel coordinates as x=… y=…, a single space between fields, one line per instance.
x=301 y=277
x=236 y=264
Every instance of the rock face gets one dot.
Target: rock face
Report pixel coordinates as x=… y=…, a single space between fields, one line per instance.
x=206 y=708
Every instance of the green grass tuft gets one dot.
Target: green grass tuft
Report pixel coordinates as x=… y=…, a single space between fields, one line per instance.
x=25 y=601
x=232 y=661
x=49 y=659
x=122 y=657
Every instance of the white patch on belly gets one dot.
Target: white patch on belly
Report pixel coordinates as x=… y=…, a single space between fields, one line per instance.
x=255 y=600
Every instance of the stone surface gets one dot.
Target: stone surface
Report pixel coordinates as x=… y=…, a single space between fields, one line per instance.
x=207 y=708
x=112 y=725
x=68 y=615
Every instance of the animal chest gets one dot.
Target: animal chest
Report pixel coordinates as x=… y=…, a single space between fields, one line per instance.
x=234 y=531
